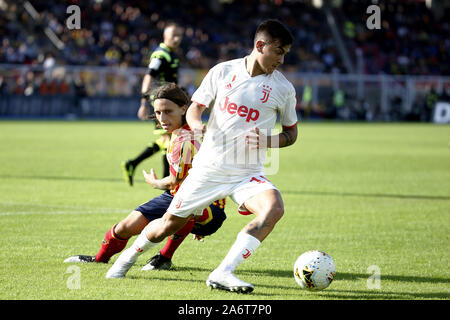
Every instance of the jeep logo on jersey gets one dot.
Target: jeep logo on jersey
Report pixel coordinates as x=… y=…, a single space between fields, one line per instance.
x=242 y=111
x=266 y=92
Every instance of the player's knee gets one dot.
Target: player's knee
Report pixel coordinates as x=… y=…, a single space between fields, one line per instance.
x=156 y=234
x=270 y=217
x=124 y=229
x=275 y=213
x=130 y=226
x=169 y=226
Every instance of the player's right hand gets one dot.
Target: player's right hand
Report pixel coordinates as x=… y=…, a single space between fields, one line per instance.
x=151 y=177
x=199 y=238
x=143 y=113
x=199 y=130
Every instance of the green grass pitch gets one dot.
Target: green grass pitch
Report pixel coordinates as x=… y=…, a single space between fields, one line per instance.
x=376 y=197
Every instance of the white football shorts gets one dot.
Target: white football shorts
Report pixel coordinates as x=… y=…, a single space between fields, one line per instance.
x=198 y=191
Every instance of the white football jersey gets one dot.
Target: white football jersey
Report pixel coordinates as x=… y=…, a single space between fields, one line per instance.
x=240 y=103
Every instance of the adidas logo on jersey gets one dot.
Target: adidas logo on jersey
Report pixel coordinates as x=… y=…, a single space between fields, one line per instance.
x=249 y=114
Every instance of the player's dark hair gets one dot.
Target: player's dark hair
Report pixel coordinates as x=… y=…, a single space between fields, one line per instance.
x=172 y=92
x=276 y=31
x=172 y=24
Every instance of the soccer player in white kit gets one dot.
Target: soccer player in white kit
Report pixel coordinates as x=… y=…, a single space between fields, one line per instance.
x=247 y=96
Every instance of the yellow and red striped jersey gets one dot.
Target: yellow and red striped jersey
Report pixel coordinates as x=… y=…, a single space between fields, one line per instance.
x=181 y=151
x=182 y=148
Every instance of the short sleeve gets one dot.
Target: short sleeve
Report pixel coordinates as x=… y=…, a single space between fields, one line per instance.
x=207 y=91
x=288 y=114
x=154 y=64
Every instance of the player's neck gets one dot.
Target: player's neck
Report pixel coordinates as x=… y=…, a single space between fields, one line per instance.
x=252 y=66
x=167 y=47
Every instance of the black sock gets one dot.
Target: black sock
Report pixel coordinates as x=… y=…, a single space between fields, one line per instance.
x=147 y=153
x=166 y=166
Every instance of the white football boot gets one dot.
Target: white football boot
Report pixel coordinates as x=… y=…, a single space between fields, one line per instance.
x=226 y=280
x=125 y=261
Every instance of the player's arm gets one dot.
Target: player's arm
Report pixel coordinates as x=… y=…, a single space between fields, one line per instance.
x=288 y=116
x=143 y=112
x=287 y=137
x=256 y=139
x=194 y=117
x=154 y=69
x=166 y=183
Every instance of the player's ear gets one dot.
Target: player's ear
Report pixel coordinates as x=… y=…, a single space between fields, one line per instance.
x=259 y=45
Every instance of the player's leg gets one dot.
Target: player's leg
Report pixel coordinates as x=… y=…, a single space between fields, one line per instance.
x=193 y=195
x=268 y=208
x=129 y=166
x=166 y=165
x=115 y=239
x=208 y=223
x=163 y=259
x=156 y=231
x=265 y=201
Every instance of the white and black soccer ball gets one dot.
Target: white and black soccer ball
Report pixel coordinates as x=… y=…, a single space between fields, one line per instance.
x=314 y=270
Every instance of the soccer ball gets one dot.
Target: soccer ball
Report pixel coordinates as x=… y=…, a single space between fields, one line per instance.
x=314 y=270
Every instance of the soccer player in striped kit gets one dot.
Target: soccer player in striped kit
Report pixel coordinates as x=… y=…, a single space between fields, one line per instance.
x=246 y=95
x=170 y=104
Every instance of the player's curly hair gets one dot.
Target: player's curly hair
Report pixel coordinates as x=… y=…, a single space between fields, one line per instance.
x=172 y=92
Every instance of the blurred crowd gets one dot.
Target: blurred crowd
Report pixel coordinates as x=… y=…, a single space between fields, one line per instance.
x=412 y=40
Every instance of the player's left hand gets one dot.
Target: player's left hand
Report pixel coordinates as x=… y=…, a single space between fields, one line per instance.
x=255 y=139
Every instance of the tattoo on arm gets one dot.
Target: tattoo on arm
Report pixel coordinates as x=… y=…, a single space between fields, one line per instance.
x=288 y=138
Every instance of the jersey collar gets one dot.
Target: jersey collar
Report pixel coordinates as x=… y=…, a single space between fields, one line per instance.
x=162 y=45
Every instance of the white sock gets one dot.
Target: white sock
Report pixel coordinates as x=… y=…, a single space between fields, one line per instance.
x=244 y=246
x=139 y=246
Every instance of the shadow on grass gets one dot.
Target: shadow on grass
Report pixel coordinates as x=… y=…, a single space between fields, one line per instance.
x=381 y=294
x=339 y=276
x=293 y=292
x=402 y=278
x=156 y=275
x=366 y=294
x=98 y=179
x=368 y=195
x=295 y=192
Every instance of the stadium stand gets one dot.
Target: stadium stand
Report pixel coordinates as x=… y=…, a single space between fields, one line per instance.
x=115 y=33
x=413 y=40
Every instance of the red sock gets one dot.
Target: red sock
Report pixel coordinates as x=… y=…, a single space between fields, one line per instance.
x=111 y=245
x=174 y=241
